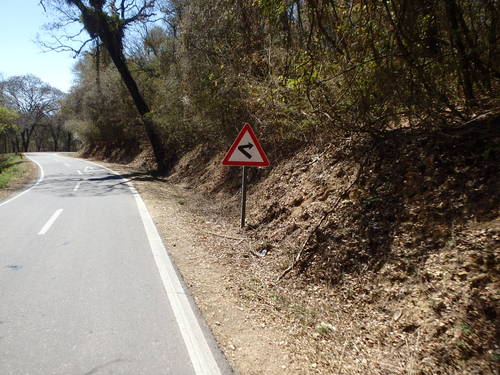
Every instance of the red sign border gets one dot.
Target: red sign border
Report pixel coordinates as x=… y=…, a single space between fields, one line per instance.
x=263 y=163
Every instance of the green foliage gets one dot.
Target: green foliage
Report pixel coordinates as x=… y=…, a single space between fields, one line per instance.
x=9 y=168
x=272 y=8
x=99 y=109
x=490 y=150
x=465 y=328
x=29 y=116
x=7 y=119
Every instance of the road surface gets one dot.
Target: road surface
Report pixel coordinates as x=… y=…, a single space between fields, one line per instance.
x=86 y=286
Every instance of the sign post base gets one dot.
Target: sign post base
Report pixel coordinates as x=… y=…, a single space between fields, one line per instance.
x=243 y=195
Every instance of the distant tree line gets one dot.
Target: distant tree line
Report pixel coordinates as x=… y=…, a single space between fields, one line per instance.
x=31 y=118
x=178 y=73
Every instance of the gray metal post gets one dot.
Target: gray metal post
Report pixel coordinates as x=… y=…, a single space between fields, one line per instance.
x=243 y=195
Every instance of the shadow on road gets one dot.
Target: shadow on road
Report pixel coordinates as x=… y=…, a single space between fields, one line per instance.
x=95 y=184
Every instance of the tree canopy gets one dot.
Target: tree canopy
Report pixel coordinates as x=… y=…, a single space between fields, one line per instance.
x=7 y=119
x=299 y=70
x=30 y=108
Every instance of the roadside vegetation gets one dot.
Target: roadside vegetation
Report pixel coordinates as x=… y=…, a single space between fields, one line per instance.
x=31 y=117
x=190 y=72
x=10 y=168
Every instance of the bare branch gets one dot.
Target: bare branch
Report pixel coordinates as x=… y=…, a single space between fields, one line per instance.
x=60 y=46
x=122 y=9
x=43 y=6
x=141 y=14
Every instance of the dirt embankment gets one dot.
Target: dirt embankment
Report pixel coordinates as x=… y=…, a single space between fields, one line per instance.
x=360 y=257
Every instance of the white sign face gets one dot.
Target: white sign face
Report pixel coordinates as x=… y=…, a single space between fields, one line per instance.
x=246 y=150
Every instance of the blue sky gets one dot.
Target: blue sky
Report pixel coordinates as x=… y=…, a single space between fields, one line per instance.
x=20 y=23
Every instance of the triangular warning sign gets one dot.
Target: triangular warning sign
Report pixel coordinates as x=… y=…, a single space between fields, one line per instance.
x=246 y=150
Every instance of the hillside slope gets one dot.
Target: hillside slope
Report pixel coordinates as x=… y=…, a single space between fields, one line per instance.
x=374 y=257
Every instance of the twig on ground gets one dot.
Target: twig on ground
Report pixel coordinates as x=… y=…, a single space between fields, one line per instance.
x=318 y=157
x=340 y=362
x=224 y=236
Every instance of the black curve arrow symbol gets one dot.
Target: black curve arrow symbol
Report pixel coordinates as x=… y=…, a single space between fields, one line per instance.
x=244 y=152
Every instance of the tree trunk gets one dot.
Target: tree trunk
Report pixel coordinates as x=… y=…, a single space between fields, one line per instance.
x=110 y=32
x=112 y=42
x=68 y=142
x=25 y=140
x=458 y=43
x=143 y=109
x=54 y=133
x=16 y=146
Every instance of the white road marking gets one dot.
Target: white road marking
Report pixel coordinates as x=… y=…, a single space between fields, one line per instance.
x=77 y=186
x=197 y=346
x=51 y=221
x=79 y=171
x=40 y=179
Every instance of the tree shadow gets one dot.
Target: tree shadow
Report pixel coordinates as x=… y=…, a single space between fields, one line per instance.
x=6 y=165
x=91 y=185
x=416 y=189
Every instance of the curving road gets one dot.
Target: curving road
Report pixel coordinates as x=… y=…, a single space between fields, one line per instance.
x=86 y=286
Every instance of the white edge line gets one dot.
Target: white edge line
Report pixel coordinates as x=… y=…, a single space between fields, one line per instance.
x=40 y=179
x=197 y=346
x=51 y=221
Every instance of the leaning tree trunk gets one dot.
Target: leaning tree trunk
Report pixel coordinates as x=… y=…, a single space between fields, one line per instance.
x=110 y=31
x=143 y=109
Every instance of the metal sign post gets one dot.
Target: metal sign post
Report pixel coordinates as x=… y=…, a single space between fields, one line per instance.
x=245 y=151
x=243 y=195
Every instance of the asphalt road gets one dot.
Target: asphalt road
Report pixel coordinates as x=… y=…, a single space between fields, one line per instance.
x=86 y=286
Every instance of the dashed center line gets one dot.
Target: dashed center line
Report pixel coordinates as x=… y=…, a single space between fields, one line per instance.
x=51 y=221
x=77 y=186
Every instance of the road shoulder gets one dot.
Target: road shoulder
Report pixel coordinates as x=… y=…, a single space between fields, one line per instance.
x=28 y=172
x=198 y=238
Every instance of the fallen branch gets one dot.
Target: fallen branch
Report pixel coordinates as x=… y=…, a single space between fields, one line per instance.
x=318 y=157
x=315 y=228
x=224 y=236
